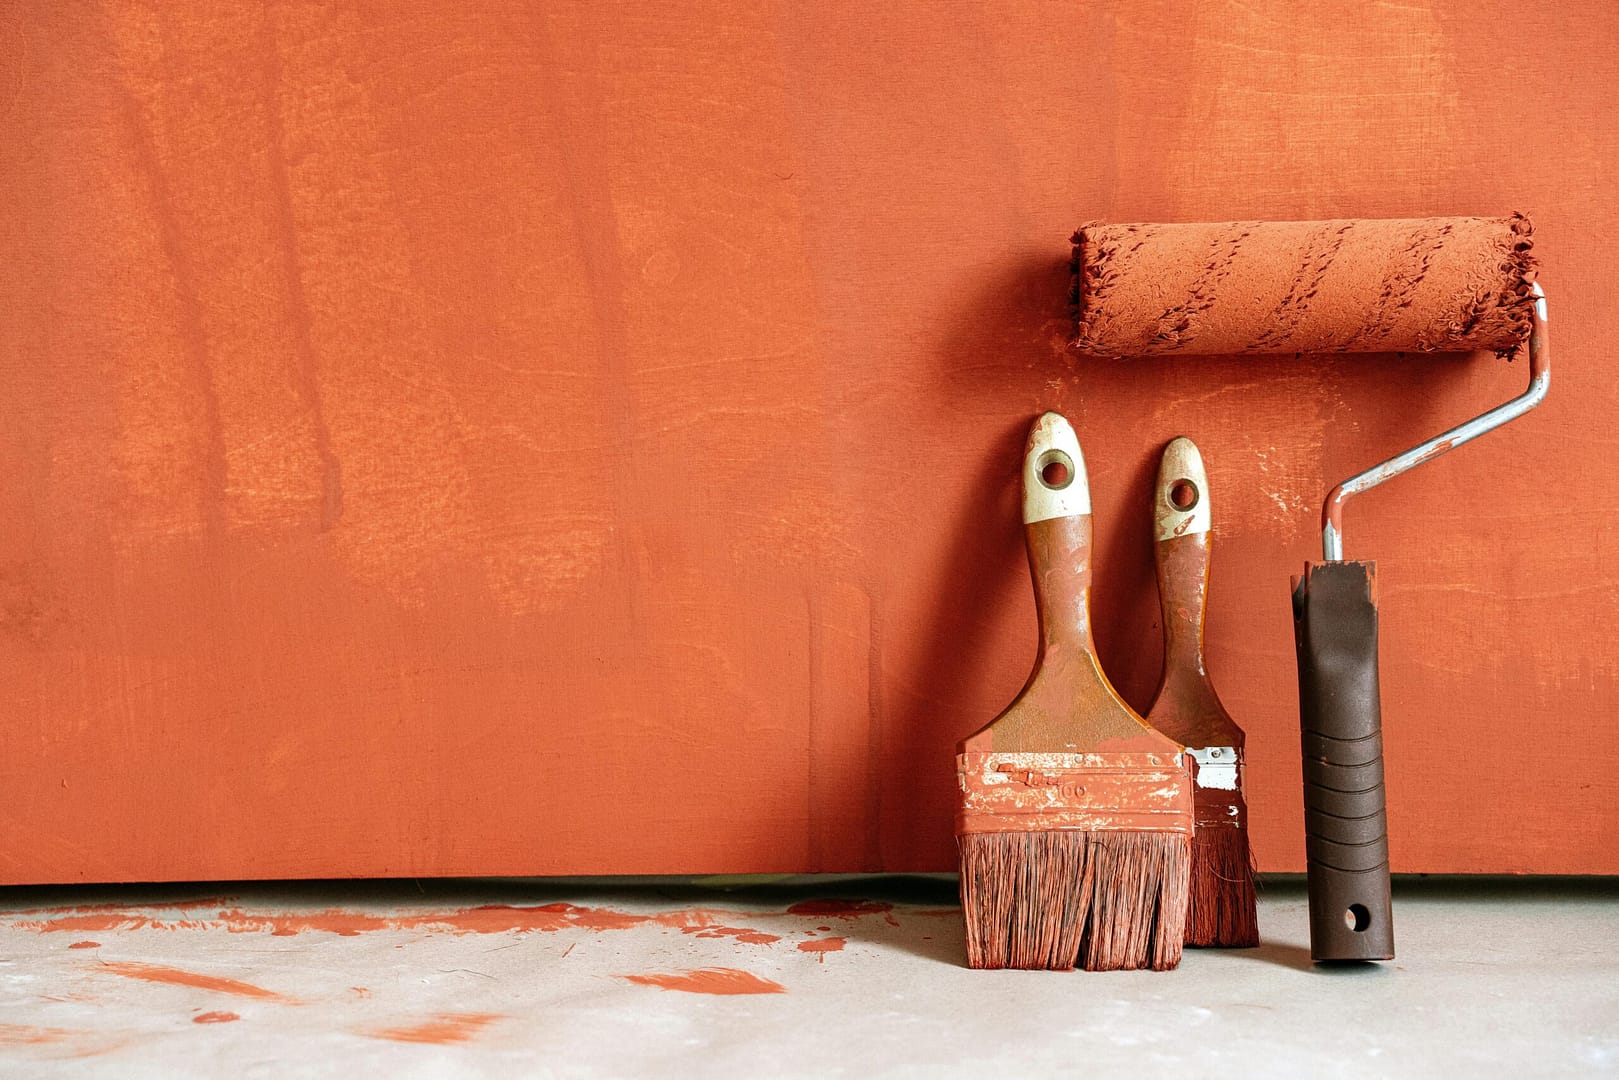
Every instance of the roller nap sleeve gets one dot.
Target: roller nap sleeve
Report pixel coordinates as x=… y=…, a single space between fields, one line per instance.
x=1350 y=285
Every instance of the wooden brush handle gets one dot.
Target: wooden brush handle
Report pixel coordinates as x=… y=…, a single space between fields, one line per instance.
x=1060 y=564
x=1057 y=527
x=1186 y=707
x=1068 y=703
x=1340 y=723
x=1181 y=522
x=1183 y=583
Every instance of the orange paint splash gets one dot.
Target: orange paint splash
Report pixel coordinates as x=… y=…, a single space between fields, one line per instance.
x=441 y=1029
x=840 y=909
x=822 y=947
x=23 y=1035
x=747 y=937
x=177 y=905
x=723 y=981
x=85 y=945
x=157 y=973
x=214 y=1018
x=489 y=919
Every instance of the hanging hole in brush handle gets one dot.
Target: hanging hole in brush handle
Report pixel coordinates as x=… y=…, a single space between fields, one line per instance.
x=1341 y=736
x=1054 y=480
x=1181 y=523
x=1056 y=469
x=1179 y=507
x=1057 y=529
x=1186 y=706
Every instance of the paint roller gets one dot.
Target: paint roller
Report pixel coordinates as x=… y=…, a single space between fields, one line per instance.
x=1355 y=285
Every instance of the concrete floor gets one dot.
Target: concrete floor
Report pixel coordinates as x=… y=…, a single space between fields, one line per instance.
x=806 y=977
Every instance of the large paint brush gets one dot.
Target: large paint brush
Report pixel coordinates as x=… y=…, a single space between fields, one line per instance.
x=1076 y=817
x=1221 y=908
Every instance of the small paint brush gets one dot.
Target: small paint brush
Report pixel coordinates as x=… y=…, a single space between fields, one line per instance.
x=1222 y=904
x=1075 y=820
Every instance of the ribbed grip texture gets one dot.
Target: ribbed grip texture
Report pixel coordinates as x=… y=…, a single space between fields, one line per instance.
x=1340 y=720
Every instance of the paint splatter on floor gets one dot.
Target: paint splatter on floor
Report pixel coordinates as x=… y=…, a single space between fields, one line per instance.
x=841 y=909
x=823 y=946
x=742 y=934
x=157 y=973
x=441 y=1029
x=710 y=981
x=23 y=1035
x=845 y=909
x=488 y=919
x=393 y=973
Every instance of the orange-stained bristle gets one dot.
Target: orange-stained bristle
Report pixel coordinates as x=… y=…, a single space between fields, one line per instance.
x=1103 y=901
x=1221 y=909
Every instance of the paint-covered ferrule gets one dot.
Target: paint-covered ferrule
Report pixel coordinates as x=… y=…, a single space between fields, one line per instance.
x=1055 y=483
x=1217 y=786
x=1181 y=503
x=1045 y=792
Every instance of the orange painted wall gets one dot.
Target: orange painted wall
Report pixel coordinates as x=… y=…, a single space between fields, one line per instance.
x=440 y=439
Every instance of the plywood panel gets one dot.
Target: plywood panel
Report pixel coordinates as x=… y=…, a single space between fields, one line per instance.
x=459 y=440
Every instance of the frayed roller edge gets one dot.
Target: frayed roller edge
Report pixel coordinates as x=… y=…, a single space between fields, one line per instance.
x=1092 y=275
x=1519 y=268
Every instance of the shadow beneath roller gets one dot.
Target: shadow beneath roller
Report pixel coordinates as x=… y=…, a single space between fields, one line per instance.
x=1297 y=957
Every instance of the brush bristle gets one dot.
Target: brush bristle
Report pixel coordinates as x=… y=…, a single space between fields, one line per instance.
x=1221 y=911
x=1103 y=901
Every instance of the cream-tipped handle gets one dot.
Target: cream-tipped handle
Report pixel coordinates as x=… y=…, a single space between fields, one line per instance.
x=1055 y=484
x=1181 y=533
x=1181 y=500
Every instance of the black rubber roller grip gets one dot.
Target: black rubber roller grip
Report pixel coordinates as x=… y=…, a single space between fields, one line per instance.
x=1341 y=734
